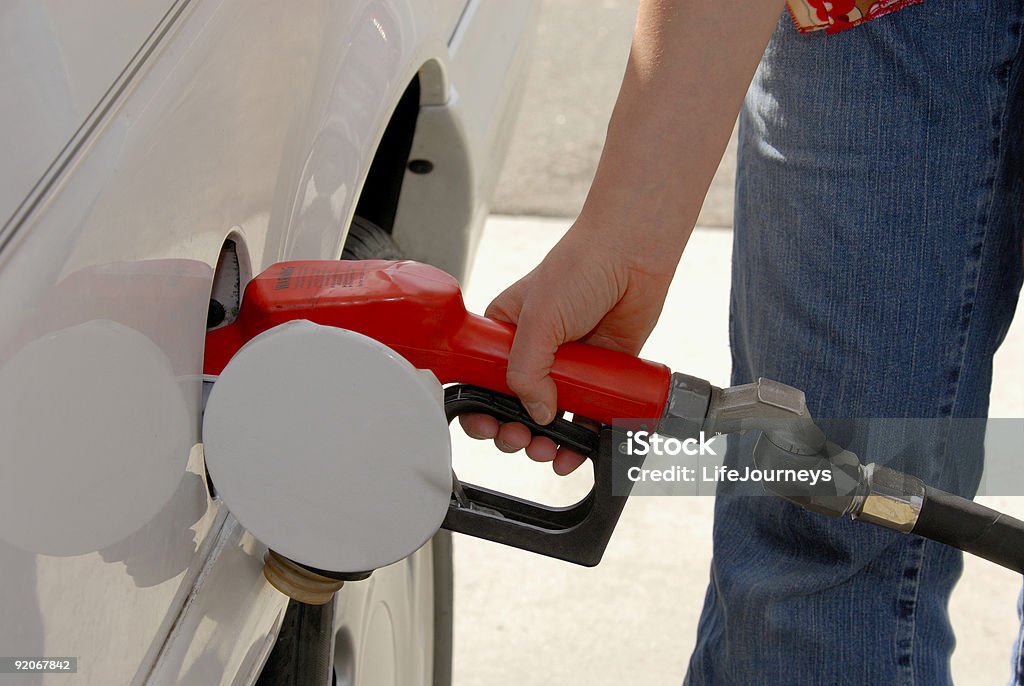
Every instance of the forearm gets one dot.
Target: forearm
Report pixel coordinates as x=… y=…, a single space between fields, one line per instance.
x=689 y=67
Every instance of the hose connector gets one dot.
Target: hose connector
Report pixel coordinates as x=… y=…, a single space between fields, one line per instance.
x=892 y=499
x=790 y=441
x=687 y=406
x=780 y=411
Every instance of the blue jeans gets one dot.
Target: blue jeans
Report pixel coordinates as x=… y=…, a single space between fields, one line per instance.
x=876 y=265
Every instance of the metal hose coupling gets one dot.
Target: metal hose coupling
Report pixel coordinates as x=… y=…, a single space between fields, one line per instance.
x=871 y=493
x=891 y=499
x=790 y=441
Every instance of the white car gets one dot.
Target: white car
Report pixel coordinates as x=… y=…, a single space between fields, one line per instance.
x=157 y=154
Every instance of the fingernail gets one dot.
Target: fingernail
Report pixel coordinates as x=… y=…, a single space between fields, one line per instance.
x=539 y=411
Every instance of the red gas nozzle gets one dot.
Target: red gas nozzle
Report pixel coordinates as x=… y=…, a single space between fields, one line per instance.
x=418 y=311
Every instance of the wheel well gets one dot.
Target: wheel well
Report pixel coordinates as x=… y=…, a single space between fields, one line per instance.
x=378 y=201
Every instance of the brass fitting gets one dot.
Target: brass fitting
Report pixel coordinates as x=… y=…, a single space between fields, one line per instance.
x=297 y=582
x=893 y=499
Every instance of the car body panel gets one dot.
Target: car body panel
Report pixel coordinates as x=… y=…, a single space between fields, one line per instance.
x=57 y=59
x=244 y=118
x=464 y=135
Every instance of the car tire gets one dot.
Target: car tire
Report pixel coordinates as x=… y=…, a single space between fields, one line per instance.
x=444 y=606
x=367 y=241
x=303 y=646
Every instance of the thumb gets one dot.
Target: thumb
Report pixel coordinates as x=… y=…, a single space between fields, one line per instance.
x=529 y=364
x=507 y=306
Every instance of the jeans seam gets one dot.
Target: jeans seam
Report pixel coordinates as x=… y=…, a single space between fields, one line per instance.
x=983 y=223
x=906 y=629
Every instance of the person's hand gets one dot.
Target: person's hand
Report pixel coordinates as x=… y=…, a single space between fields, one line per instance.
x=599 y=285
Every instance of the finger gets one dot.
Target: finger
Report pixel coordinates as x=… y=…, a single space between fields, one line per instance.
x=512 y=437
x=603 y=339
x=541 y=449
x=479 y=426
x=566 y=461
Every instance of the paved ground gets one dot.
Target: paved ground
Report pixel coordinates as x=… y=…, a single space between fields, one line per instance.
x=578 y=60
x=525 y=620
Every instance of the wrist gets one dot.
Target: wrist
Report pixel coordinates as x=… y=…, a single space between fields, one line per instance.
x=651 y=245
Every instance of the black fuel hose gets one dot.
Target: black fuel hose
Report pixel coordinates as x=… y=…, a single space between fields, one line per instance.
x=972 y=528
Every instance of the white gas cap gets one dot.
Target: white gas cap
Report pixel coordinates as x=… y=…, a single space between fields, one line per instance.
x=329 y=447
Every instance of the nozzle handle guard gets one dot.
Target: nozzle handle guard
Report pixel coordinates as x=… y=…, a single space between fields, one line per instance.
x=578 y=533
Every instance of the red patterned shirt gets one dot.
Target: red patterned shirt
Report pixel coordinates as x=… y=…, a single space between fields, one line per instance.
x=838 y=15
